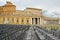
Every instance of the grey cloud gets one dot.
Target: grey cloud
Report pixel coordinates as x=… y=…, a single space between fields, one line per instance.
x=44 y=4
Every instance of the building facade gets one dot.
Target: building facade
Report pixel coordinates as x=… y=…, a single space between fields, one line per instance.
x=29 y=16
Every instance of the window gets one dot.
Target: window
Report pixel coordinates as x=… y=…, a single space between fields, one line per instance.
x=27 y=21
x=22 y=20
x=17 y=20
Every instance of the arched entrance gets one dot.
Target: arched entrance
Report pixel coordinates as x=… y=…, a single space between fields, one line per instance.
x=5 y=21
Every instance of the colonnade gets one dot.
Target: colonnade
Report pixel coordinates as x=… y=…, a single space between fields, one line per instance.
x=16 y=20
x=36 y=21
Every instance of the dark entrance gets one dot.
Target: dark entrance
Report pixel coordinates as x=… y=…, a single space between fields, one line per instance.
x=35 y=20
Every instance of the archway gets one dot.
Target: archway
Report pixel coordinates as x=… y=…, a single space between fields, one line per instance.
x=6 y=21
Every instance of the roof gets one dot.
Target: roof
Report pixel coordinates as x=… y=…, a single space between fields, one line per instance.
x=34 y=8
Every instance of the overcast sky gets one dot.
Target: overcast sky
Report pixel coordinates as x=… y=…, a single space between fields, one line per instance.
x=52 y=7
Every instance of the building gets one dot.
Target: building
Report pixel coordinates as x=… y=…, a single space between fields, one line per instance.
x=29 y=16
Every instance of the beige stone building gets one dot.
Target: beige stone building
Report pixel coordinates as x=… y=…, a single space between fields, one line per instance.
x=29 y=16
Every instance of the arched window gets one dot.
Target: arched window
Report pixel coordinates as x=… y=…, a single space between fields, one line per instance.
x=17 y=21
x=27 y=21
x=22 y=20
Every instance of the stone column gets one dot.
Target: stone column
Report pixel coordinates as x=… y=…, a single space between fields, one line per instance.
x=41 y=21
x=30 y=20
x=15 y=20
x=1 y=20
x=25 y=20
x=10 y=20
x=19 y=20
x=6 y=20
